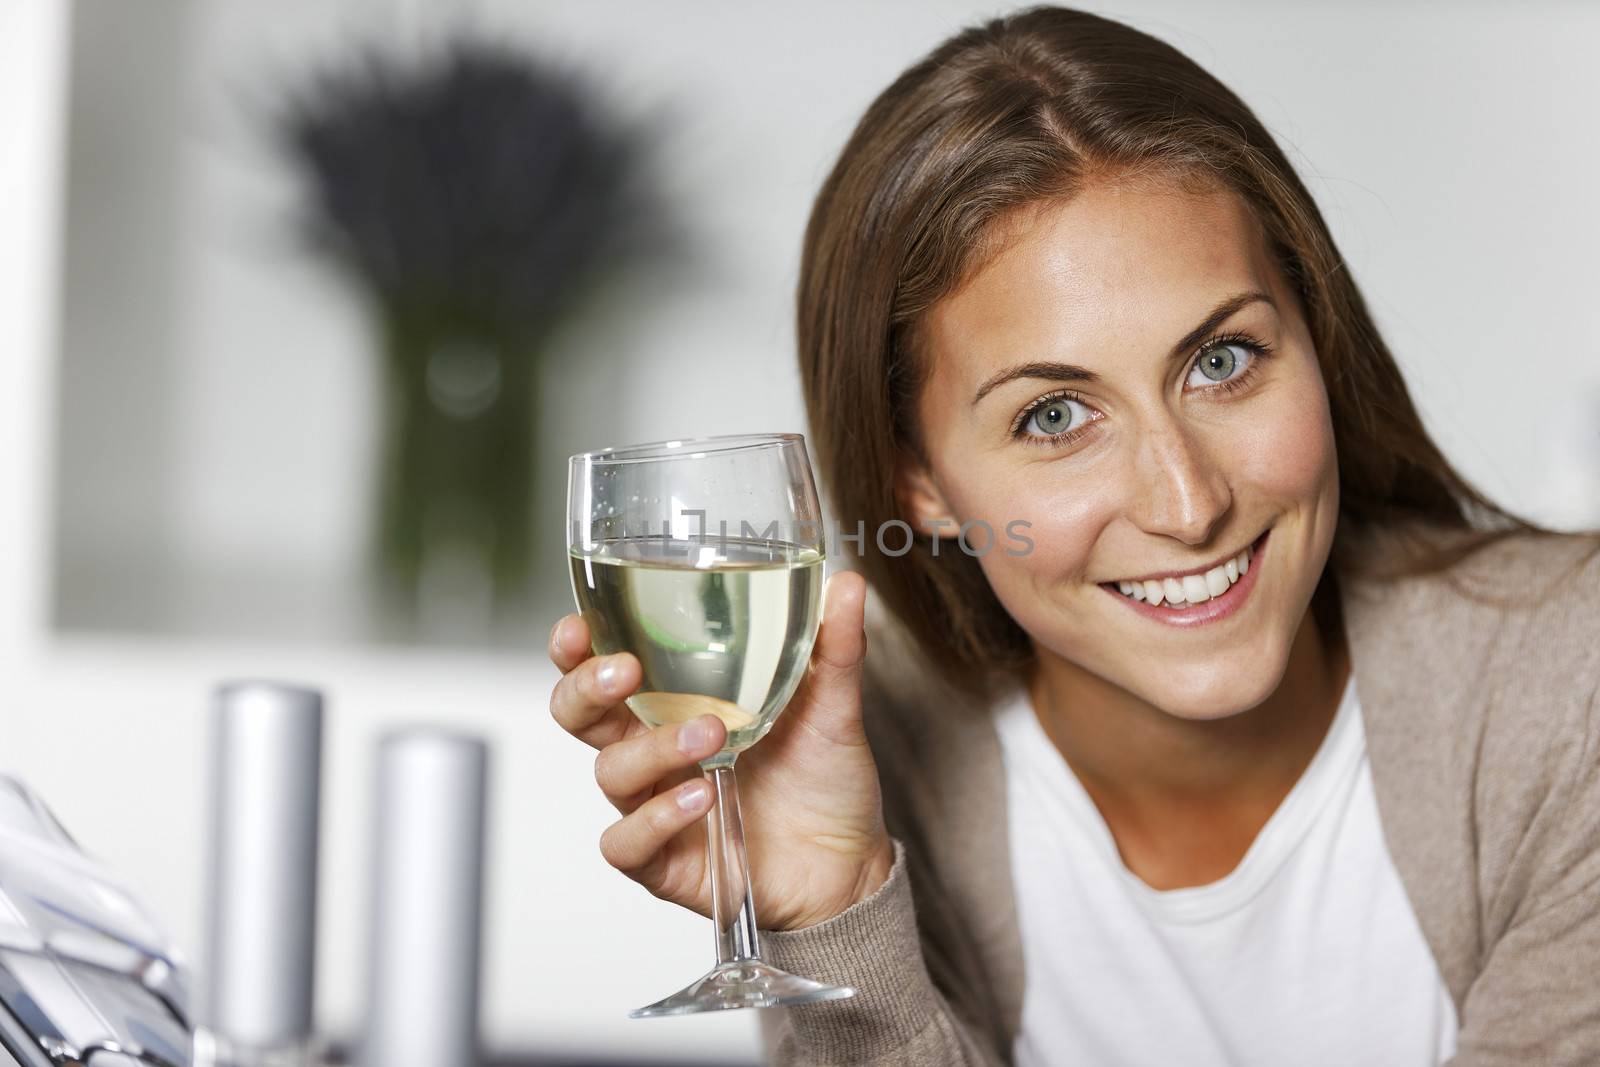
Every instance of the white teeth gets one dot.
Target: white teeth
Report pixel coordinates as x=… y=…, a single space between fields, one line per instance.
x=1192 y=588
x=1216 y=580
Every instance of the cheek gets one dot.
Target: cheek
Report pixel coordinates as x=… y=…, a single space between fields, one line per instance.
x=1287 y=452
x=1054 y=529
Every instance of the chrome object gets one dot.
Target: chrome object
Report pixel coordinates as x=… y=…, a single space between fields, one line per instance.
x=427 y=901
x=266 y=749
x=85 y=975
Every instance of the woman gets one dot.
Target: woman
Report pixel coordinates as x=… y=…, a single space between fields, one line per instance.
x=1274 y=743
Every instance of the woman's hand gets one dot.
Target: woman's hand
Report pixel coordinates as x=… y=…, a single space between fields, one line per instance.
x=812 y=811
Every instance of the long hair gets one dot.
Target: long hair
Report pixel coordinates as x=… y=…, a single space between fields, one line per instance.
x=1036 y=105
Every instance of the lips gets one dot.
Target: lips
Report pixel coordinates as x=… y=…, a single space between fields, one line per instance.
x=1180 y=575
x=1213 y=607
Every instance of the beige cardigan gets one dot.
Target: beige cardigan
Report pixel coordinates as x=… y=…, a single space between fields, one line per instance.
x=1483 y=734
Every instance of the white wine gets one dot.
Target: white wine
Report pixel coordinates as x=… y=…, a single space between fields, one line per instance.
x=723 y=627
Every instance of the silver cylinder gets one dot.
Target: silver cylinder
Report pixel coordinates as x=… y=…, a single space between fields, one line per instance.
x=266 y=756
x=427 y=901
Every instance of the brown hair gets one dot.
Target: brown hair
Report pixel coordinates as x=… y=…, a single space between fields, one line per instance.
x=1035 y=105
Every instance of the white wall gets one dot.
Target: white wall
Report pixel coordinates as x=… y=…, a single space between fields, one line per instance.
x=32 y=83
x=1452 y=149
x=220 y=425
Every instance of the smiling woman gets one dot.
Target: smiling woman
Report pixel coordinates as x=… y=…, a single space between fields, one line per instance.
x=1276 y=742
x=1218 y=749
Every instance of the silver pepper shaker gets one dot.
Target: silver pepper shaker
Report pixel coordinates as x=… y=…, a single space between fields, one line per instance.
x=257 y=992
x=425 y=936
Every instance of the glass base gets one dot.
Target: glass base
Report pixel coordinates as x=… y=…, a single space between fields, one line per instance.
x=743 y=984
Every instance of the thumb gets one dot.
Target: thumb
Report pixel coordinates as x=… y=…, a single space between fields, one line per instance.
x=831 y=699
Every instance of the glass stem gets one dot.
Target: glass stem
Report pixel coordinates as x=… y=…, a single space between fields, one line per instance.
x=733 y=907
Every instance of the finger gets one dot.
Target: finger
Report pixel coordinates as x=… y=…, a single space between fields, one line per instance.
x=569 y=642
x=629 y=770
x=633 y=844
x=587 y=700
x=830 y=694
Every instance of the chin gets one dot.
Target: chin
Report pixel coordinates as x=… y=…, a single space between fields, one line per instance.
x=1203 y=710
x=1212 y=694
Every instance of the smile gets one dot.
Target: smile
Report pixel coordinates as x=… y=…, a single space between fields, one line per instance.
x=1197 y=597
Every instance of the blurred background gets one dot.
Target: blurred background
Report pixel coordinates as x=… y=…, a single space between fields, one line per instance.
x=236 y=327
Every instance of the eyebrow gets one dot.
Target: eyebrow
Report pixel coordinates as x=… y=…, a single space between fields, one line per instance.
x=1052 y=370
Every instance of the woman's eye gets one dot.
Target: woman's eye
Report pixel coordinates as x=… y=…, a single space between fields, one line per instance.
x=1220 y=363
x=1055 y=417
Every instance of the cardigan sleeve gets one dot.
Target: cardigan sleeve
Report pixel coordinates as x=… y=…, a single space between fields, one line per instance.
x=1535 y=998
x=897 y=1017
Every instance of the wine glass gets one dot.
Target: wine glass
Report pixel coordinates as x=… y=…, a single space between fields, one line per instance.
x=704 y=558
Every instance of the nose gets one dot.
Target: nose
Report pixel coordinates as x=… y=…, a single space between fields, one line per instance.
x=1179 y=488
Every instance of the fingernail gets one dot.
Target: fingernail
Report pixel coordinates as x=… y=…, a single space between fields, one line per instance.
x=693 y=795
x=692 y=736
x=607 y=676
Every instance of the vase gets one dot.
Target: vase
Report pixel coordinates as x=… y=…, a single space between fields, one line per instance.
x=453 y=530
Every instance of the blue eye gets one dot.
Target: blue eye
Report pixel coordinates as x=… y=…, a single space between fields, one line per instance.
x=1225 y=361
x=1052 y=417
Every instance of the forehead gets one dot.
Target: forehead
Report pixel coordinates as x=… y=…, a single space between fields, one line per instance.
x=1119 y=264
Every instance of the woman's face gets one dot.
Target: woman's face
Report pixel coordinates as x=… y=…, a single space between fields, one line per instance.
x=1163 y=451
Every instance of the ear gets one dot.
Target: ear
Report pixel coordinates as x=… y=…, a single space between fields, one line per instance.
x=920 y=499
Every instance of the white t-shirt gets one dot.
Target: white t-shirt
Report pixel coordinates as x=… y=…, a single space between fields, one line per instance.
x=1306 y=953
